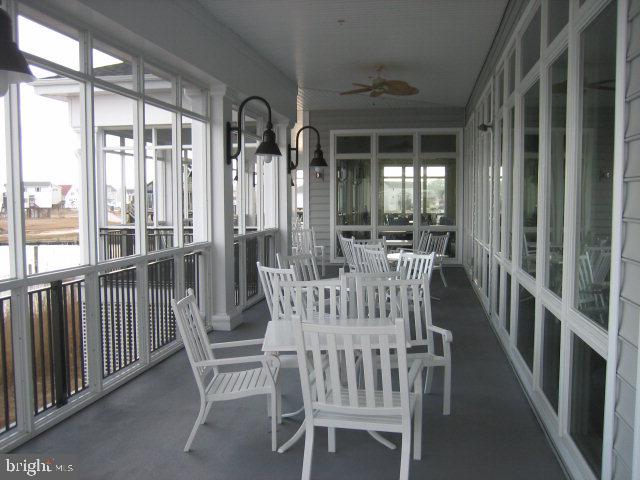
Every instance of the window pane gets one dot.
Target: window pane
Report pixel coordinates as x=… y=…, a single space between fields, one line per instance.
x=555 y=192
x=438 y=143
x=358 y=144
x=438 y=191
x=194 y=134
x=158 y=84
x=551 y=358
x=49 y=44
x=395 y=192
x=558 y=17
x=588 y=374
x=358 y=235
x=507 y=308
x=194 y=97
x=159 y=177
x=112 y=67
x=496 y=290
x=511 y=84
x=51 y=176
x=397 y=239
x=500 y=88
x=508 y=203
x=353 y=192
x=530 y=179
x=500 y=185
x=526 y=325
x=530 y=51
x=115 y=174
x=250 y=179
x=395 y=144
x=598 y=45
x=5 y=234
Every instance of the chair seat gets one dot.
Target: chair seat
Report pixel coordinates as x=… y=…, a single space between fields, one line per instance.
x=239 y=383
x=393 y=422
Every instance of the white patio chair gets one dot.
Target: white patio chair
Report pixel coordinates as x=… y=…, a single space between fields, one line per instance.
x=529 y=251
x=303 y=265
x=347 y=250
x=415 y=266
x=376 y=260
x=349 y=280
x=410 y=300
x=421 y=246
x=216 y=386
x=328 y=402
x=438 y=244
x=303 y=240
x=359 y=259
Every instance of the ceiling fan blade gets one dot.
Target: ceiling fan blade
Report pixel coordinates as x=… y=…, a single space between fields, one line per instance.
x=399 y=87
x=361 y=85
x=376 y=93
x=357 y=90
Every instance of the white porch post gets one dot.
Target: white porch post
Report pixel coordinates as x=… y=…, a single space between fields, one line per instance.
x=220 y=284
x=285 y=207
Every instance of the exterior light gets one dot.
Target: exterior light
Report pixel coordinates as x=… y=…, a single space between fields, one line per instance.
x=483 y=127
x=317 y=162
x=268 y=148
x=13 y=66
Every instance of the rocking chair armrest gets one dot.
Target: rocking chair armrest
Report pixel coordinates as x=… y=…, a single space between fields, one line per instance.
x=447 y=336
x=238 y=343
x=414 y=371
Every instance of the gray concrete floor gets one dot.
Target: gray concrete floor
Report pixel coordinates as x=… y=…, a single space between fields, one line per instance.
x=138 y=431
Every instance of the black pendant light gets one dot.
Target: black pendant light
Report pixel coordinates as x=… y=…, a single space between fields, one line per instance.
x=317 y=162
x=13 y=66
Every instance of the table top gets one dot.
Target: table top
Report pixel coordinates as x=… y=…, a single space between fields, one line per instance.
x=279 y=335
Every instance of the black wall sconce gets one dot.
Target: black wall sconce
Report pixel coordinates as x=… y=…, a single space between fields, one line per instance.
x=13 y=66
x=317 y=162
x=483 y=127
x=268 y=148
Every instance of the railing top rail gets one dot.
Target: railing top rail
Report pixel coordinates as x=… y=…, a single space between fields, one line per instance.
x=257 y=233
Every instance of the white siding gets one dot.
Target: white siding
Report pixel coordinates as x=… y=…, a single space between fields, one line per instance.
x=327 y=120
x=627 y=365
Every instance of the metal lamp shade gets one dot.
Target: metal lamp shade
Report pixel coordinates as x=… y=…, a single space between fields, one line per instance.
x=13 y=66
x=268 y=148
x=318 y=159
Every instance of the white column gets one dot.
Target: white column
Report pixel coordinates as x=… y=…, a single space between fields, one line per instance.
x=220 y=284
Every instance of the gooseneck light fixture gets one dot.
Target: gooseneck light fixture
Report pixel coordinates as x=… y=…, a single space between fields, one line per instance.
x=268 y=148
x=13 y=66
x=317 y=162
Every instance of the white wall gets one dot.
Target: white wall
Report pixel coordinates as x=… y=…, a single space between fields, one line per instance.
x=327 y=120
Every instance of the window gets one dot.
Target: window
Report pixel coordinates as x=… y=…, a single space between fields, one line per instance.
x=593 y=262
x=353 y=144
x=558 y=17
x=438 y=143
x=395 y=192
x=395 y=144
x=530 y=180
x=555 y=188
x=115 y=174
x=586 y=423
x=511 y=73
x=112 y=66
x=51 y=173
x=158 y=85
x=5 y=234
x=159 y=178
x=507 y=302
x=353 y=192
x=500 y=186
x=194 y=154
x=530 y=47
x=526 y=325
x=47 y=43
x=551 y=358
x=438 y=191
x=508 y=203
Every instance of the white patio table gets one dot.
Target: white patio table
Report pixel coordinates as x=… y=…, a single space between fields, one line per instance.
x=279 y=338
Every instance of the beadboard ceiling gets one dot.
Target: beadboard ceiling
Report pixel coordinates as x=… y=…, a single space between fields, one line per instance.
x=325 y=45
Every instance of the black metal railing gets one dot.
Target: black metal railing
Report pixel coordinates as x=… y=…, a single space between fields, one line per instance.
x=162 y=324
x=118 y=242
x=58 y=343
x=8 y=390
x=236 y=272
x=251 y=272
x=118 y=320
x=192 y=272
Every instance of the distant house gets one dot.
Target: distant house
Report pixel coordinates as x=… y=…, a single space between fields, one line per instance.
x=71 y=195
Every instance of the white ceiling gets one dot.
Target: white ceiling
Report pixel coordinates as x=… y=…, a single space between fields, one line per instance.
x=436 y=45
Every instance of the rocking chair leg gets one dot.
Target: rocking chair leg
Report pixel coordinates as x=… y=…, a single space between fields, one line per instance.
x=428 y=380
x=405 y=454
x=332 y=440
x=199 y=418
x=446 y=408
x=274 y=421
x=444 y=281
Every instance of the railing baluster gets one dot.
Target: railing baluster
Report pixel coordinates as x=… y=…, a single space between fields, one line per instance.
x=5 y=354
